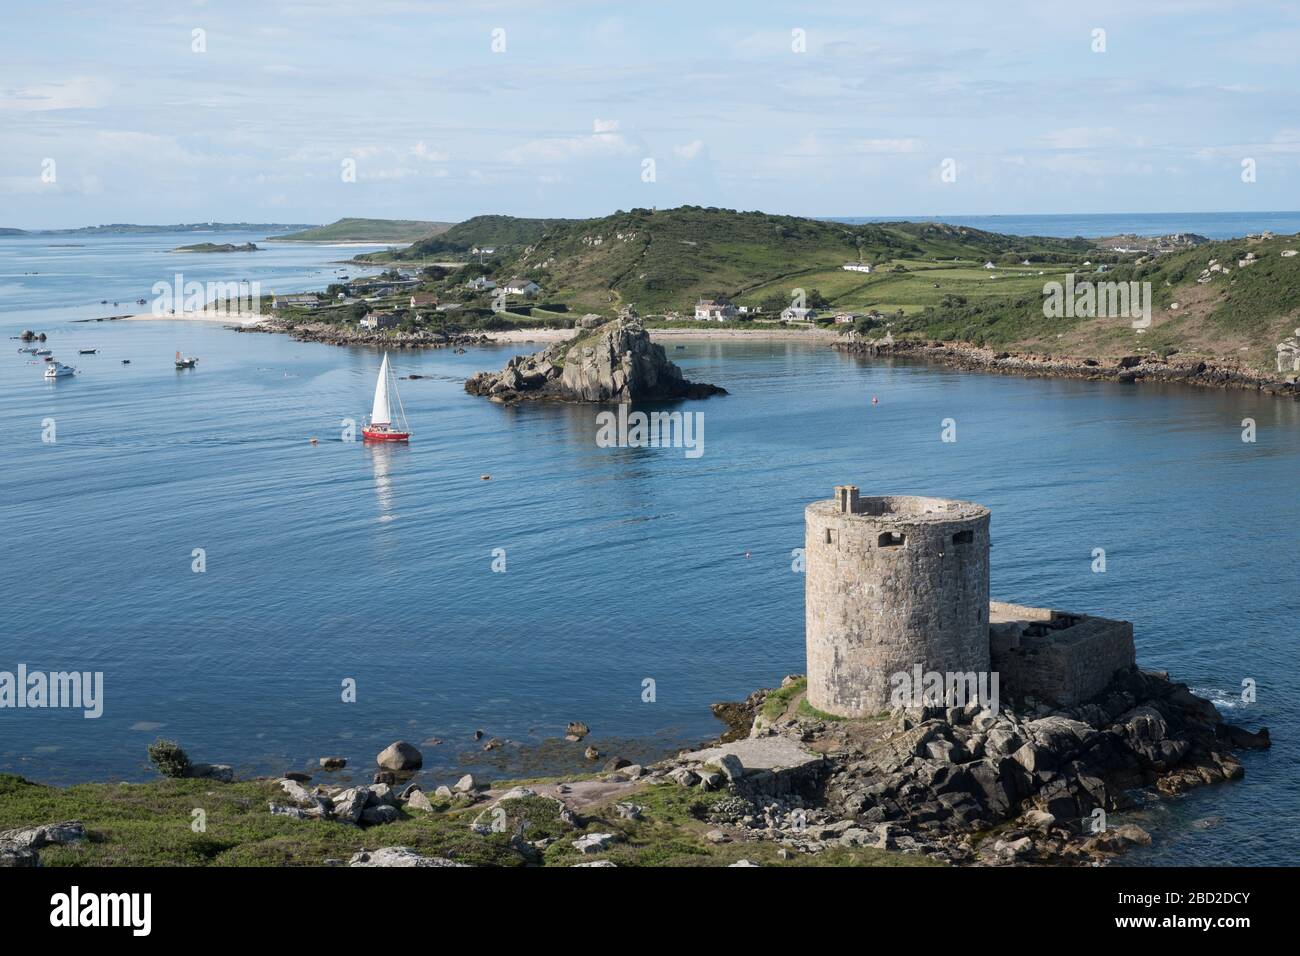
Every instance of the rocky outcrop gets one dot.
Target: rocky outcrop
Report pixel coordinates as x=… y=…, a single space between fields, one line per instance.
x=614 y=363
x=365 y=806
x=20 y=847
x=936 y=780
x=398 y=856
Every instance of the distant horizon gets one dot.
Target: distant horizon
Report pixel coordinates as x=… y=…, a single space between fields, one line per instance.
x=950 y=218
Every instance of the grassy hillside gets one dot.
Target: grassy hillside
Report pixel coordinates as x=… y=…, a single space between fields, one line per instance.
x=368 y=230
x=1238 y=315
x=504 y=234
x=664 y=260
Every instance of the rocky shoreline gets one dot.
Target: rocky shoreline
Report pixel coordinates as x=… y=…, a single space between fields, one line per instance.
x=1129 y=368
x=1029 y=785
x=330 y=334
x=1026 y=785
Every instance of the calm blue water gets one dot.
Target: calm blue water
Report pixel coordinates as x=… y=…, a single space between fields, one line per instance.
x=340 y=561
x=1212 y=225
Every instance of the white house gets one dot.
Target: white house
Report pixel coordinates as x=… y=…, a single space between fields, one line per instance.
x=714 y=310
x=857 y=266
x=481 y=284
x=379 y=320
x=798 y=315
x=521 y=287
x=990 y=265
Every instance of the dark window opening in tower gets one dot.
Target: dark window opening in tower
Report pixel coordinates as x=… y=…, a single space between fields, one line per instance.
x=891 y=539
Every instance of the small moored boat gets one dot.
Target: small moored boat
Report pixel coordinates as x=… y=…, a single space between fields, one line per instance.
x=186 y=362
x=59 y=370
x=381 y=427
x=87 y=351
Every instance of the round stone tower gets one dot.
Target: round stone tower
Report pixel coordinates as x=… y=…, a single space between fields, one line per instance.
x=892 y=582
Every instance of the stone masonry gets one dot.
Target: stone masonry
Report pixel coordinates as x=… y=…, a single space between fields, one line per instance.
x=892 y=582
x=900 y=581
x=1056 y=657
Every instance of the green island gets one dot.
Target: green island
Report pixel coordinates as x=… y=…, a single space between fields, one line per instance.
x=1227 y=303
x=367 y=230
x=219 y=247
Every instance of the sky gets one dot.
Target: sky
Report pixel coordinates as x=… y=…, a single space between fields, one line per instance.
x=298 y=111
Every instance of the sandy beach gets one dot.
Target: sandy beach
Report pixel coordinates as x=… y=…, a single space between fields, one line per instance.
x=245 y=319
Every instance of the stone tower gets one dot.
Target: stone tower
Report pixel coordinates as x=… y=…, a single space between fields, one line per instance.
x=892 y=582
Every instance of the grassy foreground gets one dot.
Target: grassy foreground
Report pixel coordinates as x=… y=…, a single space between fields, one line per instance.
x=154 y=824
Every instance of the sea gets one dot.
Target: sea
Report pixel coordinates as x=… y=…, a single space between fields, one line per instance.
x=266 y=599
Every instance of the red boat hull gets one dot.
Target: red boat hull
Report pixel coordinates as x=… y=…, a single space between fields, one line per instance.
x=376 y=434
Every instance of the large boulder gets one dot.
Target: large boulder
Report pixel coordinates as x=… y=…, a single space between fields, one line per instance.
x=398 y=856
x=400 y=756
x=349 y=804
x=69 y=831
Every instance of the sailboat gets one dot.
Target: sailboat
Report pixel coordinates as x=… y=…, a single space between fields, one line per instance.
x=381 y=427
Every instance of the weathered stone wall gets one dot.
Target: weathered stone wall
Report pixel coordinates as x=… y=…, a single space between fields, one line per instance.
x=876 y=607
x=1054 y=656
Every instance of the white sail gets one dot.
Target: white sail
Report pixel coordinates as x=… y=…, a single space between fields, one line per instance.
x=379 y=414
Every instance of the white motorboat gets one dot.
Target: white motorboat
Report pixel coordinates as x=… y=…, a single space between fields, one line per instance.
x=59 y=370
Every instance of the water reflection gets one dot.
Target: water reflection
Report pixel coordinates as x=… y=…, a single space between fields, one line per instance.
x=384 y=459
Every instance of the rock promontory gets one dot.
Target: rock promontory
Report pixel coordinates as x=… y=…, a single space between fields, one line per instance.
x=616 y=362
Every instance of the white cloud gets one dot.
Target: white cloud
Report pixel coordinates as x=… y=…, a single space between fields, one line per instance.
x=79 y=92
x=1086 y=137
x=689 y=150
x=604 y=141
x=886 y=145
x=428 y=154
